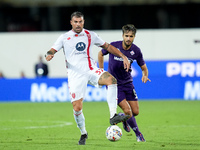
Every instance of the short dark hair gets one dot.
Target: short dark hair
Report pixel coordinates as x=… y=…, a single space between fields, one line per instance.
x=129 y=27
x=77 y=14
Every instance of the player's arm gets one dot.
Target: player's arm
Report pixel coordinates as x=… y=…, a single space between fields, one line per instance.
x=116 y=52
x=50 y=54
x=145 y=73
x=101 y=59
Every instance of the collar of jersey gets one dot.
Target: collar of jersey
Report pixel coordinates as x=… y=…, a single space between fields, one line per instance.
x=78 y=34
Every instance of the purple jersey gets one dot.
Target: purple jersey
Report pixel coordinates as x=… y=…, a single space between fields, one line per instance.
x=116 y=66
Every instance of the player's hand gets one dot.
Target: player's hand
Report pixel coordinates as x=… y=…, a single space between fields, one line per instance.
x=145 y=79
x=126 y=63
x=49 y=57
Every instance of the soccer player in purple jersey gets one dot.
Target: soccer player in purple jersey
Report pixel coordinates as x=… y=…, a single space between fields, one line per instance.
x=127 y=97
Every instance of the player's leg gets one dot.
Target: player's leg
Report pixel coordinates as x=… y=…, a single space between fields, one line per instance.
x=107 y=79
x=127 y=110
x=78 y=115
x=134 y=105
x=101 y=77
x=132 y=100
x=80 y=120
x=135 y=110
x=132 y=121
x=124 y=105
x=77 y=87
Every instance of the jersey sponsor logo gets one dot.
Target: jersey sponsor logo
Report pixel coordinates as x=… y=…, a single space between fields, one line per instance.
x=121 y=59
x=118 y=59
x=79 y=53
x=80 y=46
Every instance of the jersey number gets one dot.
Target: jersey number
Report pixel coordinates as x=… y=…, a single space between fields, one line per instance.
x=99 y=71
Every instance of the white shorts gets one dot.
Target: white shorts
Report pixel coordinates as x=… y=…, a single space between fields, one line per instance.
x=78 y=82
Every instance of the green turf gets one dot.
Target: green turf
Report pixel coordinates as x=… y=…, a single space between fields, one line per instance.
x=169 y=125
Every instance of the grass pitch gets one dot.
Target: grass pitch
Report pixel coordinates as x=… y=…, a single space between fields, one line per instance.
x=169 y=125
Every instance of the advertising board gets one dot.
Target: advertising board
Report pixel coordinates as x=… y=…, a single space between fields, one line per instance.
x=170 y=79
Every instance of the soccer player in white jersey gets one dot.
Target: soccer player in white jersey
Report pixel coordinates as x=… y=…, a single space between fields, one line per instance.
x=82 y=70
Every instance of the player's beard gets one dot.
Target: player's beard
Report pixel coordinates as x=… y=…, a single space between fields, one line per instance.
x=78 y=29
x=126 y=44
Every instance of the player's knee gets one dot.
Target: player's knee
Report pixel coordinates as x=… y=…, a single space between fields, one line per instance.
x=78 y=108
x=77 y=105
x=108 y=79
x=112 y=80
x=136 y=112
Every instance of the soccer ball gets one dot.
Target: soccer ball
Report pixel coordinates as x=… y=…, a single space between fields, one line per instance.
x=113 y=133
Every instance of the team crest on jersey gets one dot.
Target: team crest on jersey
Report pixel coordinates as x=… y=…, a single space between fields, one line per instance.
x=80 y=46
x=73 y=95
x=132 y=53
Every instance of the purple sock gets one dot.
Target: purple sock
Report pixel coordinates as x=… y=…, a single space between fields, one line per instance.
x=132 y=123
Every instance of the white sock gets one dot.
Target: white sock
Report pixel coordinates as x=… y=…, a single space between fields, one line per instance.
x=80 y=120
x=112 y=99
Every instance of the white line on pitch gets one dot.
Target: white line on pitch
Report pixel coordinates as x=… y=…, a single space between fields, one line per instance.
x=61 y=124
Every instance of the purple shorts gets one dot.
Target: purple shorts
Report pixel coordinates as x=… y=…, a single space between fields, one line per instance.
x=126 y=91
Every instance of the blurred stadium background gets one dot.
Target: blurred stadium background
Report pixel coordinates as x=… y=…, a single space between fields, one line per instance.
x=50 y=15
x=168 y=35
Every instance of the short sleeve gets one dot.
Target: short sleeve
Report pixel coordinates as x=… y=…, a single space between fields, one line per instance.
x=98 y=41
x=59 y=43
x=139 y=59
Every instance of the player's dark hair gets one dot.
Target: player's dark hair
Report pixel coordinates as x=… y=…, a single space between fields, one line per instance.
x=129 y=27
x=77 y=14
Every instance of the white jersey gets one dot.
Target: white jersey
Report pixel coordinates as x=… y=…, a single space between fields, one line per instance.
x=78 y=49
